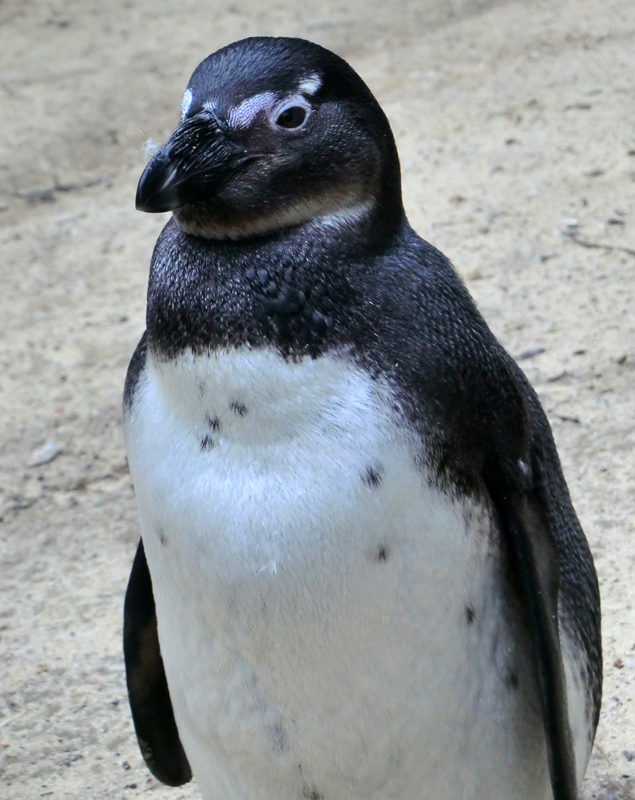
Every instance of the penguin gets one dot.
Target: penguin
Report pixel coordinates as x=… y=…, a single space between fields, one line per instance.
x=360 y=574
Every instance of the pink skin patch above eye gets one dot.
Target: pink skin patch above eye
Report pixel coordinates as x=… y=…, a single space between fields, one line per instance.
x=244 y=114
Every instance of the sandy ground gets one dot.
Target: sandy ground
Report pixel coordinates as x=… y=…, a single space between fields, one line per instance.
x=515 y=127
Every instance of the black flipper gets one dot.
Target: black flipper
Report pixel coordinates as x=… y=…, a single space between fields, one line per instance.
x=523 y=512
x=147 y=685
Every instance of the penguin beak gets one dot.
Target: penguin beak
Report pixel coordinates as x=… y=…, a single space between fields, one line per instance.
x=192 y=165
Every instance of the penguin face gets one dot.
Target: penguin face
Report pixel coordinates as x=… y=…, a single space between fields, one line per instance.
x=274 y=133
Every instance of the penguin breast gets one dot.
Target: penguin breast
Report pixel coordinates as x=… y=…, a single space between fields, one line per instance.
x=320 y=601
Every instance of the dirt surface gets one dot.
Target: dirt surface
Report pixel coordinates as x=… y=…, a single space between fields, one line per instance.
x=515 y=128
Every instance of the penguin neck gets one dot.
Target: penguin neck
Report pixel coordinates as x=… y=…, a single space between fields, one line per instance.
x=298 y=290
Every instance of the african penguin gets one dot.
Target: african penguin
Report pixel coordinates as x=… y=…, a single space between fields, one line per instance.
x=360 y=575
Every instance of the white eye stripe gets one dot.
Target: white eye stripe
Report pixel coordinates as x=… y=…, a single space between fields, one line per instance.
x=244 y=114
x=310 y=84
x=186 y=103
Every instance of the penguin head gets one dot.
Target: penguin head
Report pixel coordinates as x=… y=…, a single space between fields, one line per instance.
x=275 y=133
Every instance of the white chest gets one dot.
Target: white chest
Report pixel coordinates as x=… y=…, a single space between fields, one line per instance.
x=331 y=624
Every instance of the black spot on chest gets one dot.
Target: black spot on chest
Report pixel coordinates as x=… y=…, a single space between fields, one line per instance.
x=470 y=615
x=513 y=681
x=238 y=408
x=382 y=553
x=213 y=423
x=373 y=477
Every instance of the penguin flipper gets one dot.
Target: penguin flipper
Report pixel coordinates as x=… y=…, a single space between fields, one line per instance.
x=147 y=684
x=523 y=513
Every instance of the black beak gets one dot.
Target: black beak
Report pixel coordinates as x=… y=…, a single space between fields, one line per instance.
x=192 y=165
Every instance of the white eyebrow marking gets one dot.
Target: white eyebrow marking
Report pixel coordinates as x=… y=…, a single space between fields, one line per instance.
x=243 y=115
x=186 y=103
x=310 y=85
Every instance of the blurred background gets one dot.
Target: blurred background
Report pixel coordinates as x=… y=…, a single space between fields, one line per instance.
x=516 y=128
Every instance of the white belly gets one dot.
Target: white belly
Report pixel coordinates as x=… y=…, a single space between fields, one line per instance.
x=332 y=626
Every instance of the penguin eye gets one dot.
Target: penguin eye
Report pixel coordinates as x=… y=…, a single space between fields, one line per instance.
x=291 y=117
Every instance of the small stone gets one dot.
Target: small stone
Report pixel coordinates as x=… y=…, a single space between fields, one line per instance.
x=618 y=663
x=531 y=353
x=44 y=454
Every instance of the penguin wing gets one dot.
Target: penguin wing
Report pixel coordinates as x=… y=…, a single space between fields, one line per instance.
x=147 y=685
x=522 y=504
x=487 y=433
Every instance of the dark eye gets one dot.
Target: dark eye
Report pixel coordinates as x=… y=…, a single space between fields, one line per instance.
x=291 y=117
